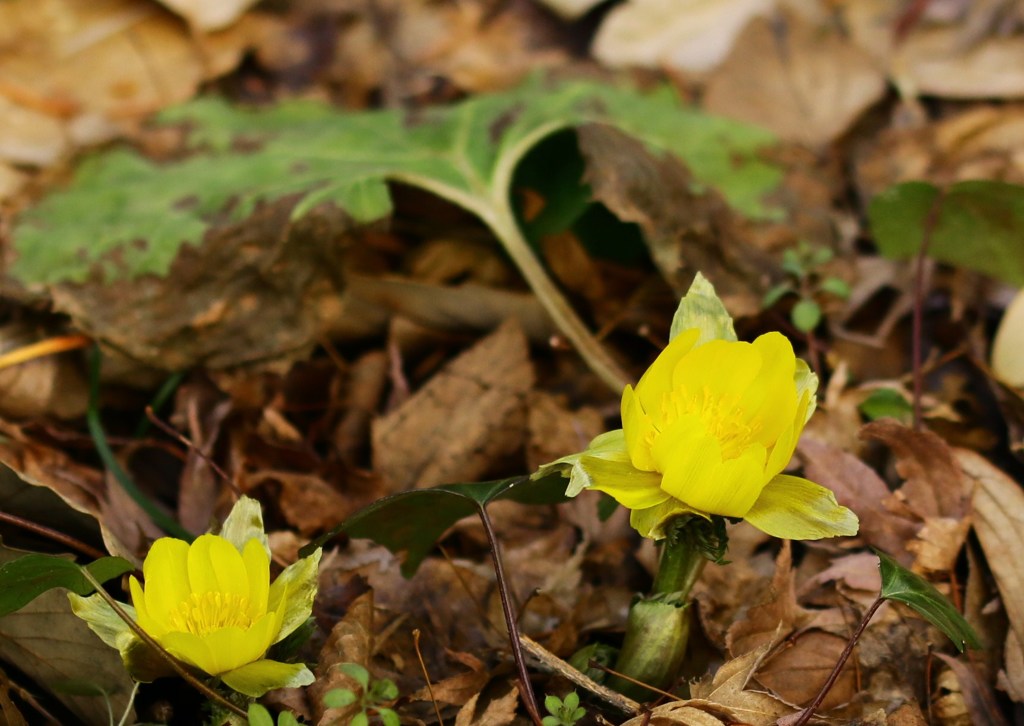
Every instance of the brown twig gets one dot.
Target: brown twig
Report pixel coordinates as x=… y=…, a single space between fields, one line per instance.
x=634 y=681
x=426 y=676
x=930 y=220
x=186 y=442
x=44 y=531
x=43 y=348
x=807 y=713
x=526 y=689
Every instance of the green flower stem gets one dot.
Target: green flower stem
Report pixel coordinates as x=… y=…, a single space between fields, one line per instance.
x=658 y=627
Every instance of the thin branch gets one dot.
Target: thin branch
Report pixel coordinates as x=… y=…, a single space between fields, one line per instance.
x=930 y=220
x=186 y=442
x=44 y=531
x=808 y=712
x=426 y=675
x=510 y=620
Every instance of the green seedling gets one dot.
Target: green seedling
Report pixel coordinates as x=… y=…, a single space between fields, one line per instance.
x=803 y=266
x=370 y=699
x=564 y=711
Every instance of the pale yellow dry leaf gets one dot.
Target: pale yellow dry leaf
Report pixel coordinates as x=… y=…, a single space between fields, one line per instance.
x=952 y=59
x=1008 y=346
x=209 y=14
x=999 y=524
x=807 y=83
x=726 y=690
x=499 y=712
x=1011 y=678
x=570 y=9
x=937 y=544
x=691 y=35
x=71 y=70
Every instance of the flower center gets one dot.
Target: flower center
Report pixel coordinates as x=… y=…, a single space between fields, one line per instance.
x=723 y=417
x=204 y=612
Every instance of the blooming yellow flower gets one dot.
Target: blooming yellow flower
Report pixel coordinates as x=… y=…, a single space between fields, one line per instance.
x=211 y=605
x=708 y=430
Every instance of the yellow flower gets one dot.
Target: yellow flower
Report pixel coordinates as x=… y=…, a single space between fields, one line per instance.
x=211 y=605
x=708 y=430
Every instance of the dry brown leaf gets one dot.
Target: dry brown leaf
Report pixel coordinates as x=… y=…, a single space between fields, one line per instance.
x=307 y=502
x=938 y=544
x=806 y=83
x=1011 y=678
x=500 y=711
x=799 y=669
x=351 y=641
x=71 y=71
x=460 y=689
x=978 y=696
x=857 y=486
x=465 y=419
x=726 y=692
x=555 y=431
x=691 y=35
x=776 y=616
x=685 y=230
x=999 y=524
x=53 y=385
x=953 y=57
x=934 y=485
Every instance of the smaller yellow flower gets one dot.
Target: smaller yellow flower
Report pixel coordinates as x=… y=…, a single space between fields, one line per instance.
x=211 y=605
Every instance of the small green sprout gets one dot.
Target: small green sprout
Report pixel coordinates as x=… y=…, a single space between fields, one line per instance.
x=806 y=281
x=260 y=716
x=564 y=712
x=373 y=695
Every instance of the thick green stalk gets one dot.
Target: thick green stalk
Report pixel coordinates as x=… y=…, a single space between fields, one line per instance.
x=658 y=627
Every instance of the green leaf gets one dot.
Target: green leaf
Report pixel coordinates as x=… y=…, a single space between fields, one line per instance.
x=902 y=585
x=360 y=719
x=26 y=578
x=339 y=698
x=701 y=308
x=805 y=315
x=977 y=224
x=357 y=673
x=388 y=717
x=130 y=216
x=887 y=402
x=553 y=704
x=571 y=701
x=775 y=294
x=259 y=716
x=287 y=718
x=412 y=521
x=384 y=690
x=835 y=286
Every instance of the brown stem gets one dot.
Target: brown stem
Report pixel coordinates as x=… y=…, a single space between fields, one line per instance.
x=808 y=712
x=159 y=649
x=43 y=531
x=930 y=220
x=184 y=441
x=510 y=620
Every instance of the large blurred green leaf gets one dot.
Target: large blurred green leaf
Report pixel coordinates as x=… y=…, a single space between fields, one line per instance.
x=976 y=224
x=902 y=585
x=131 y=215
x=413 y=521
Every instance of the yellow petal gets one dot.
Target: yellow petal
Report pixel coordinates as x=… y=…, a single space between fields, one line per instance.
x=657 y=381
x=292 y=593
x=786 y=443
x=192 y=649
x=257 y=569
x=806 y=380
x=167 y=583
x=686 y=454
x=795 y=508
x=638 y=430
x=142 y=615
x=718 y=369
x=771 y=401
x=728 y=488
x=255 y=679
x=629 y=486
x=214 y=565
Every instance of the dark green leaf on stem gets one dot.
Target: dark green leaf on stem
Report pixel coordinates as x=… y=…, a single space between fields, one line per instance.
x=413 y=521
x=26 y=578
x=978 y=225
x=902 y=585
